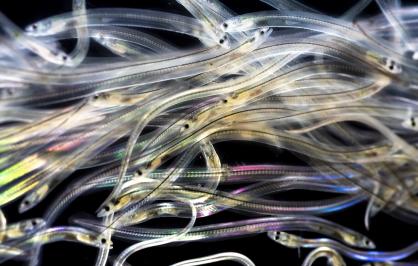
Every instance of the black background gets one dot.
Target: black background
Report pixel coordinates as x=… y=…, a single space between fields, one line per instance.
x=387 y=232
